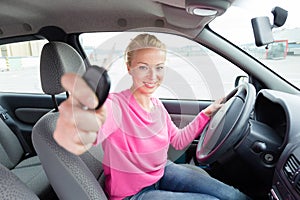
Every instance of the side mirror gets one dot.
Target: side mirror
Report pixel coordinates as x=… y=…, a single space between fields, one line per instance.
x=240 y=79
x=262 y=27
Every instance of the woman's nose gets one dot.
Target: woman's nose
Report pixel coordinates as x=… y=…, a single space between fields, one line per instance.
x=151 y=73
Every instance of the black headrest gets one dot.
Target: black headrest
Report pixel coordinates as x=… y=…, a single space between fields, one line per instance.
x=58 y=58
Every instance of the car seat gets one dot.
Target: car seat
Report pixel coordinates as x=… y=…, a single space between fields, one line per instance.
x=72 y=177
x=28 y=170
x=11 y=187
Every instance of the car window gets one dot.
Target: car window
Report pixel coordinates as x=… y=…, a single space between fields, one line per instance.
x=193 y=71
x=282 y=56
x=20 y=65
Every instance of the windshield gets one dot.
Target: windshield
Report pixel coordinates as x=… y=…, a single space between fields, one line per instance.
x=282 y=56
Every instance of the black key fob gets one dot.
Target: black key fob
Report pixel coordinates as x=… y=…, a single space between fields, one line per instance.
x=97 y=78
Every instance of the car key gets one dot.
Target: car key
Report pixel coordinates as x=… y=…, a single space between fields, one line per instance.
x=97 y=78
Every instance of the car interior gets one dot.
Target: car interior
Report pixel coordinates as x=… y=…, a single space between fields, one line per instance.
x=12 y=187
x=252 y=143
x=28 y=169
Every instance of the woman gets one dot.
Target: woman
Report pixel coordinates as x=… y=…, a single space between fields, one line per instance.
x=135 y=131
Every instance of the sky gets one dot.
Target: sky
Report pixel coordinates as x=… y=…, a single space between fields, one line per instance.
x=264 y=7
x=241 y=13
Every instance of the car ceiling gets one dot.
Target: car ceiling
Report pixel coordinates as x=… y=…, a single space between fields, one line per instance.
x=26 y=17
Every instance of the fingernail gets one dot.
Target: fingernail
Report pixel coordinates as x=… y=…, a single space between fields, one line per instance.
x=92 y=102
x=84 y=108
x=89 y=102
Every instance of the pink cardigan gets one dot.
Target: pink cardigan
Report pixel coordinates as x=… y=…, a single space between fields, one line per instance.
x=135 y=143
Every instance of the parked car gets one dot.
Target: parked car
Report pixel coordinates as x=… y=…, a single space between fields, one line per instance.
x=252 y=143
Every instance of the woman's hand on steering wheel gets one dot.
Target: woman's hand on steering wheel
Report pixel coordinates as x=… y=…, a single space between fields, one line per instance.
x=214 y=107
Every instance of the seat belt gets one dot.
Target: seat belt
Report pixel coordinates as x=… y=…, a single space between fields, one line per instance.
x=15 y=129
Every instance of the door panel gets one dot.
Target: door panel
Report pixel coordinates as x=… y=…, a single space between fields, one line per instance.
x=26 y=109
x=30 y=115
x=182 y=112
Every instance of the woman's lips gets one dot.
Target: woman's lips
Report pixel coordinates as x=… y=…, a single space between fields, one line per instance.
x=150 y=84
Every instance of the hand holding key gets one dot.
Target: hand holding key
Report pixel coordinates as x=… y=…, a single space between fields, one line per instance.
x=77 y=128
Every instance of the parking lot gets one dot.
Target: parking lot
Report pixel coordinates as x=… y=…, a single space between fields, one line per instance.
x=23 y=76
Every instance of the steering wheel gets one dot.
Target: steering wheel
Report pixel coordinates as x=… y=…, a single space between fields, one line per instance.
x=228 y=125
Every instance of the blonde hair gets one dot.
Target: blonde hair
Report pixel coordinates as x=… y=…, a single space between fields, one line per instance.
x=142 y=41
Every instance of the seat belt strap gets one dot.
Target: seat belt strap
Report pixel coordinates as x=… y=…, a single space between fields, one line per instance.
x=15 y=129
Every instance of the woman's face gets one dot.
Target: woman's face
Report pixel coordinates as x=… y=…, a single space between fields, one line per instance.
x=147 y=69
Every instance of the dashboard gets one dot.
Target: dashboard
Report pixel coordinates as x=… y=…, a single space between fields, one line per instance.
x=273 y=141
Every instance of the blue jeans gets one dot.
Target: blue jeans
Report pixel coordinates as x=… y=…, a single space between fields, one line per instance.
x=179 y=182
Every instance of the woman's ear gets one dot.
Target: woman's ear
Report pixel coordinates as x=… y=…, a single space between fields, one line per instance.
x=128 y=68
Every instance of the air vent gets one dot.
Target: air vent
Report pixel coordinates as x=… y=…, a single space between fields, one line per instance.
x=297 y=187
x=292 y=171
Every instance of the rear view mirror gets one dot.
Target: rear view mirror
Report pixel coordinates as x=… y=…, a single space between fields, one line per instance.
x=240 y=80
x=262 y=28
